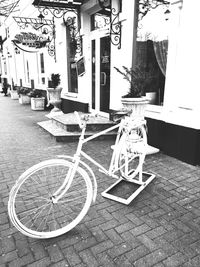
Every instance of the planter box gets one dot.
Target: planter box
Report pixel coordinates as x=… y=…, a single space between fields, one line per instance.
x=24 y=99
x=14 y=95
x=37 y=103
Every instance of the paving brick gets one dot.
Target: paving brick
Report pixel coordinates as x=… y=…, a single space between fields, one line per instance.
x=137 y=253
x=72 y=256
x=88 y=258
x=85 y=243
x=140 y=229
x=62 y=263
x=194 y=262
x=175 y=260
x=38 y=251
x=114 y=236
x=156 y=232
x=22 y=247
x=124 y=227
x=122 y=261
x=147 y=242
x=129 y=238
x=10 y=256
x=118 y=250
x=40 y=263
x=8 y=244
x=55 y=253
x=101 y=247
x=151 y=259
x=98 y=234
x=166 y=246
x=105 y=260
x=137 y=221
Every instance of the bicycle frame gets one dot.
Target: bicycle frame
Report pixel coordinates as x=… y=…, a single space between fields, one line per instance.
x=76 y=158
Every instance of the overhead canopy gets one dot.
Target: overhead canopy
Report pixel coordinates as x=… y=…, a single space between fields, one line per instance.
x=58 y=4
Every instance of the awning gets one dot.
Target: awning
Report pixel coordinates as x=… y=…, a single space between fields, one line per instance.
x=74 y=4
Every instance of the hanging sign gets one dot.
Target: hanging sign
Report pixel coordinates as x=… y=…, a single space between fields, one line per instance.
x=31 y=40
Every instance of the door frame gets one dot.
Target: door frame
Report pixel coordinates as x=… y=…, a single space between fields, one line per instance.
x=96 y=35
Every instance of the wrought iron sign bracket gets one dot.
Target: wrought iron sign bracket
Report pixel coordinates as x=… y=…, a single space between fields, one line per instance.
x=46 y=26
x=115 y=23
x=115 y=28
x=68 y=14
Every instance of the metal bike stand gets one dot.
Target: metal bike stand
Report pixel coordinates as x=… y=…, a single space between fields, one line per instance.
x=124 y=191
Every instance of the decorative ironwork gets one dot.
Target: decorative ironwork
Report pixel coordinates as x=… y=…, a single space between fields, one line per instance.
x=147 y=5
x=69 y=11
x=115 y=28
x=115 y=23
x=45 y=26
x=75 y=37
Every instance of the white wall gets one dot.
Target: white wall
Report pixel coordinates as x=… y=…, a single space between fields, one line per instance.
x=122 y=56
x=182 y=84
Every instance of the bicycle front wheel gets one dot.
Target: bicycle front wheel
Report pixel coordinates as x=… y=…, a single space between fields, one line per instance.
x=32 y=208
x=132 y=152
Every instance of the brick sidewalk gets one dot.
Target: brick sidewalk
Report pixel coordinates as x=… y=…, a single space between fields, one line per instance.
x=161 y=227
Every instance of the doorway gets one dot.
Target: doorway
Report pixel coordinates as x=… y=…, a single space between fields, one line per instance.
x=101 y=75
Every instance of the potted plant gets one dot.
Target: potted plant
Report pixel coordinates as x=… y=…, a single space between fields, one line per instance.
x=37 y=99
x=13 y=93
x=54 y=92
x=135 y=100
x=23 y=95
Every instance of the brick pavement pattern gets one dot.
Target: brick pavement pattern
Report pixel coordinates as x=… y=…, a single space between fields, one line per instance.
x=161 y=227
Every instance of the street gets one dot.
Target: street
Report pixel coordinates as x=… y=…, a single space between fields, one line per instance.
x=161 y=227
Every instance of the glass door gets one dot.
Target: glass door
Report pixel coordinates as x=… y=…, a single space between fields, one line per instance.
x=101 y=75
x=104 y=74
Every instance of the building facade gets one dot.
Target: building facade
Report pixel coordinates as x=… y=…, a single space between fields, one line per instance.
x=91 y=37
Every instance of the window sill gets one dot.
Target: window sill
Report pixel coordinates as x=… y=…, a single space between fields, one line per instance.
x=177 y=116
x=70 y=95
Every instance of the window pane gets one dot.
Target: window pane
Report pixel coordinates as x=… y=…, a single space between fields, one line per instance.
x=152 y=46
x=42 y=62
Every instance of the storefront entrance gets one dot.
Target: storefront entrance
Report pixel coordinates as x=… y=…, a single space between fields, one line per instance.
x=100 y=47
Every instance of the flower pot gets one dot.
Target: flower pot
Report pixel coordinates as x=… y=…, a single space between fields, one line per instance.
x=137 y=106
x=37 y=103
x=14 y=95
x=54 y=98
x=24 y=99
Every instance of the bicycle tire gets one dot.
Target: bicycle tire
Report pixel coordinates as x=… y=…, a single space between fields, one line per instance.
x=132 y=152
x=30 y=204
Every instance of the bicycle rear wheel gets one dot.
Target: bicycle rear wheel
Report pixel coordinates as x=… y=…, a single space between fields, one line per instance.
x=132 y=152
x=31 y=204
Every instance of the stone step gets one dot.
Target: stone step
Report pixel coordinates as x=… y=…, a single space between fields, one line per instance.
x=69 y=123
x=62 y=135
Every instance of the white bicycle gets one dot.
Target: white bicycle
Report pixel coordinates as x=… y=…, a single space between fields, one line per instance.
x=52 y=197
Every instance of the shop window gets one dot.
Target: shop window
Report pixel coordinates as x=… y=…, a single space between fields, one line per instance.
x=5 y=67
x=27 y=72
x=151 y=47
x=72 y=45
x=73 y=78
x=42 y=63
